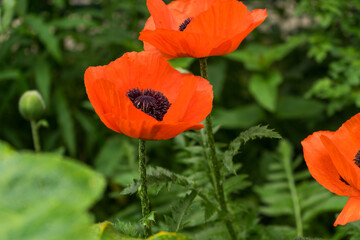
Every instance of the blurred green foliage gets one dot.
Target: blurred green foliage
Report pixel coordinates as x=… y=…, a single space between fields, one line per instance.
x=299 y=72
x=45 y=196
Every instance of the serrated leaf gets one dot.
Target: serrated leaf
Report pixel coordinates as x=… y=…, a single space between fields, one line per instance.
x=245 y=136
x=236 y=183
x=126 y=228
x=179 y=212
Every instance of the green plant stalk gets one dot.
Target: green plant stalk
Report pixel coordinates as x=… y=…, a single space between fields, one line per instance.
x=214 y=163
x=143 y=194
x=294 y=197
x=35 y=135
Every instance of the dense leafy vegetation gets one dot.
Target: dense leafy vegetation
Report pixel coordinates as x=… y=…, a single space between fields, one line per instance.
x=297 y=73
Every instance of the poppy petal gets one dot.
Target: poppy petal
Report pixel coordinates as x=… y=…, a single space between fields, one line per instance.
x=194 y=101
x=147 y=130
x=321 y=167
x=350 y=213
x=94 y=76
x=347 y=139
x=151 y=71
x=108 y=86
x=162 y=16
x=343 y=167
x=222 y=19
x=177 y=44
x=201 y=101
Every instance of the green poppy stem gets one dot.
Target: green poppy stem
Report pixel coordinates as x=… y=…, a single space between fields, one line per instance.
x=35 y=135
x=145 y=202
x=214 y=163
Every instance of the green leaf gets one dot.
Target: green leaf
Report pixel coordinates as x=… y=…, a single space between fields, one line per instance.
x=7 y=74
x=258 y=57
x=168 y=236
x=107 y=231
x=179 y=212
x=251 y=133
x=66 y=122
x=181 y=62
x=117 y=159
x=240 y=117
x=296 y=107
x=236 y=183
x=159 y=175
x=7 y=13
x=126 y=228
x=217 y=75
x=45 y=34
x=264 y=89
x=45 y=196
x=43 y=78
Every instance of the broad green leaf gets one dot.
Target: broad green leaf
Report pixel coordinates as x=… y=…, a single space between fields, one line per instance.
x=296 y=107
x=264 y=89
x=45 y=196
x=240 y=117
x=251 y=133
x=45 y=34
x=66 y=122
x=259 y=57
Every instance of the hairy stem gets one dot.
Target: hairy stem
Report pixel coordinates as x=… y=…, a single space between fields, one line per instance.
x=35 y=135
x=145 y=203
x=214 y=163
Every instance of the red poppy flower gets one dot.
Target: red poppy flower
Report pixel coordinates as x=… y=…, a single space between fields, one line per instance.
x=333 y=159
x=198 y=28
x=142 y=96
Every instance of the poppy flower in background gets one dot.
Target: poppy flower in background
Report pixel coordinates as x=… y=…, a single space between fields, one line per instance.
x=142 y=96
x=198 y=28
x=333 y=159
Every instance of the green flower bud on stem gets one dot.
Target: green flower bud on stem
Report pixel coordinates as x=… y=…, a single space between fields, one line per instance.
x=31 y=105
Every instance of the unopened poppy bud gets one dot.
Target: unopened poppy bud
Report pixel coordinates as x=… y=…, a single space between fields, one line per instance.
x=31 y=105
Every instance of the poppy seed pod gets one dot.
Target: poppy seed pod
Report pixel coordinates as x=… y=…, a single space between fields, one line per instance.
x=31 y=105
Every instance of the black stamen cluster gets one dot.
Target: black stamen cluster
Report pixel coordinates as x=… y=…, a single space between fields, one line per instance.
x=343 y=180
x=184 y=24
x=151 y=102
x=357 y=159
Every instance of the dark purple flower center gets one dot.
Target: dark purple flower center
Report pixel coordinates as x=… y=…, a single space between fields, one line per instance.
x=357 y=159
x=151 y=102
x=184 y=24
x=344 y=181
